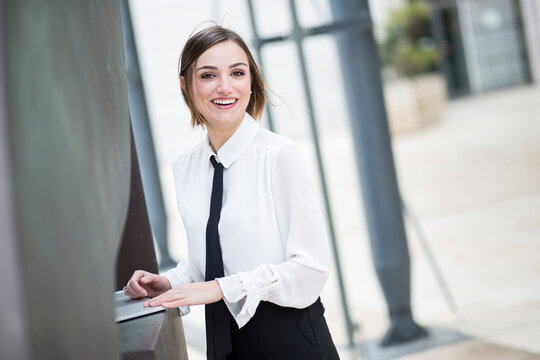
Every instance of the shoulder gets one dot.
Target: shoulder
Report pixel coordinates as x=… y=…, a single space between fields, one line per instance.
x=280 y=150
x=271 y=141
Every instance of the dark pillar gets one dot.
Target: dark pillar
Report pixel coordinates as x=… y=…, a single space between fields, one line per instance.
x=142 y=132
x=360 y=66
x=136 y=251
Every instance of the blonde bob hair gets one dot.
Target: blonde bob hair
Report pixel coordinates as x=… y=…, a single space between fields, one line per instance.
x=196 y=45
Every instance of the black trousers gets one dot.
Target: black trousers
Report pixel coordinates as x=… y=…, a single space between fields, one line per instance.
x=283 y=333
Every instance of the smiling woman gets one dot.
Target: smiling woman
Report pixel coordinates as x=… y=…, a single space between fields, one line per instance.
x=193 y=58
x=221 y=89
x=258 y=248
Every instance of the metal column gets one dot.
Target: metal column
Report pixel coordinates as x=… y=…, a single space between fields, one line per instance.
x=358 y=57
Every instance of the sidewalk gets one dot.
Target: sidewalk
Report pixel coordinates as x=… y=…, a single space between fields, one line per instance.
x=479 y=204
x=472 y=181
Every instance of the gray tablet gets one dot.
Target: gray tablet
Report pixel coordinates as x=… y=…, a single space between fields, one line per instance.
x=127 y=308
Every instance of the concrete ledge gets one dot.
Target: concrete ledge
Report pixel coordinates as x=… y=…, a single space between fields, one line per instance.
x=158 y=336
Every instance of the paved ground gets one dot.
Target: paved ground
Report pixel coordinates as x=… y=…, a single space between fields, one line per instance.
x=472 y=182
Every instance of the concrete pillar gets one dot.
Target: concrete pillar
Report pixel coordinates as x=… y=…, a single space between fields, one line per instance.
x=65 y=177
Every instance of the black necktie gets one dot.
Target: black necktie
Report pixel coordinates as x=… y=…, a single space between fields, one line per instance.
x=218 y=321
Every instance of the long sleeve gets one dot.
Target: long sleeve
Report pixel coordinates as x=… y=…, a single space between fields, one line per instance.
x=178 y=275
x=299 y=280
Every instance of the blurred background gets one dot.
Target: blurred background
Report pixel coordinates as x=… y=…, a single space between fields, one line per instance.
x=432 y=196
x=460 y=81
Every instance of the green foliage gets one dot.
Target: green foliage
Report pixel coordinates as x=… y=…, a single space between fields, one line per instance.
x=408 y=46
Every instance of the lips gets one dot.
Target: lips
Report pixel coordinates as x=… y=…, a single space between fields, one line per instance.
x=225 y=103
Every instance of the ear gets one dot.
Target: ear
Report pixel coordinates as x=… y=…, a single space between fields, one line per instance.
x=182 y=83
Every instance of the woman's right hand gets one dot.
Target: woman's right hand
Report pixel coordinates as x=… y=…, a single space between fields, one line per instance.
x=145 y=284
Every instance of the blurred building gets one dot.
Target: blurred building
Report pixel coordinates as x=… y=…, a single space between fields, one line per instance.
x=487 y=44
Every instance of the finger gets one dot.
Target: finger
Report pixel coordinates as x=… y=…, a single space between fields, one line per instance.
x=165 y=297
x=137 y=275
x=134 y=278
x=135 y=289
x=173 y=304
x=152 y=302
x=131 y=294
x=133 y=284
x=158 y=300
x=147 y=278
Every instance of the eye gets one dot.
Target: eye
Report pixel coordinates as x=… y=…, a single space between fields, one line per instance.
x=207 y=76
x=238 y=73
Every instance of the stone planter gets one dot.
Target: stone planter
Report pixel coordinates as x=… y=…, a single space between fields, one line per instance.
x=415 y=101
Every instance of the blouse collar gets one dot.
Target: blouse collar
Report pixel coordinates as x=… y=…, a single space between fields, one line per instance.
x=237 y=143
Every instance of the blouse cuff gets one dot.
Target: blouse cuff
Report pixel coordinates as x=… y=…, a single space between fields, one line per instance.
x=244 y=291
x=178 y=275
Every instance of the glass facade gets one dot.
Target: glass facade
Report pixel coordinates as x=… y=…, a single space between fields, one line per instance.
x=499 y=43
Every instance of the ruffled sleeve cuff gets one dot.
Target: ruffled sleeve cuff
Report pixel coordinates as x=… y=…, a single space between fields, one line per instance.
x=244 y=291
x=178 y=275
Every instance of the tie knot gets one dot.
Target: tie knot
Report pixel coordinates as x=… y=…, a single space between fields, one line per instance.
x=214 y=162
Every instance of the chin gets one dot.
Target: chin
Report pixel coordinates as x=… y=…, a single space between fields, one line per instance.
x=229 y=119
x=225 y=122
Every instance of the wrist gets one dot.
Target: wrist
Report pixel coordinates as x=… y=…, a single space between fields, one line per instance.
x=218 y=289
x=168 y=285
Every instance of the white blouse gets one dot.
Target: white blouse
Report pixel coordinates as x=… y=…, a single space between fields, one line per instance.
x=272 y=232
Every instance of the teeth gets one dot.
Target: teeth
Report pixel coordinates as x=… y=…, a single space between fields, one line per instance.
x=224 y=102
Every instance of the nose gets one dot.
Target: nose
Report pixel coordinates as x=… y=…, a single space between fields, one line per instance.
x=224 y=86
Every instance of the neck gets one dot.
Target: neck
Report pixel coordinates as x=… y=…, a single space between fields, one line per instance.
x=219 y=136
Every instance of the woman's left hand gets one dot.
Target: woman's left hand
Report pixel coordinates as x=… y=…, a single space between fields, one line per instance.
x=188 y=294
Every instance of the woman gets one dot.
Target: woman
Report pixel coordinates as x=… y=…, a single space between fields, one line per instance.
x=260 y=260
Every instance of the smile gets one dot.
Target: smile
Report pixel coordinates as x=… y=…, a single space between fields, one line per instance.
x=224 y=101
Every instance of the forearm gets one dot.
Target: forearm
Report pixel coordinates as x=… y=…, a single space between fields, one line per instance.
x=290 y=284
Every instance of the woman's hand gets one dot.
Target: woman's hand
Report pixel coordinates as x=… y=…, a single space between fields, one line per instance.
x=143 y=284
x=188 y=294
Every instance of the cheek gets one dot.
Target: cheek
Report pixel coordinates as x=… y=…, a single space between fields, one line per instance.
x=200 y=93
x=246 y=86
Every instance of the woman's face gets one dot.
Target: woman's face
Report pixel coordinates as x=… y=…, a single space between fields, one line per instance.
x=222 y=85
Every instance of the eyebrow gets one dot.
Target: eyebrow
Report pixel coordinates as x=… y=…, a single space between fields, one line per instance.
x=215 y=68
x=237 y=64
